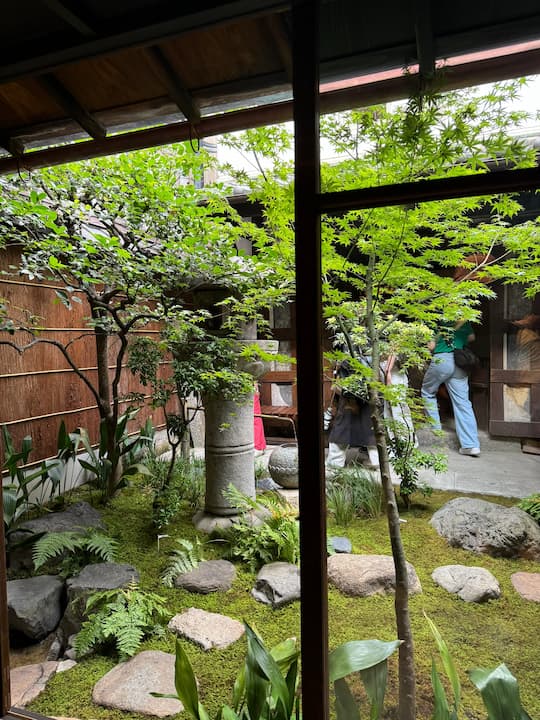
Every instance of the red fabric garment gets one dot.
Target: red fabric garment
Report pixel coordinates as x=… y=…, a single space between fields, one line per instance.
x=258 y=427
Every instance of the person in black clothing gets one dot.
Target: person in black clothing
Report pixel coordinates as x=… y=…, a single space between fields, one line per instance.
x=351 y=426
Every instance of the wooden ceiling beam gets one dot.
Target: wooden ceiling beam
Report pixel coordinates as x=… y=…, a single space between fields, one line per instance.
x=13 y=145
x=68 y=16
x=400 y=87
x=71 y=106
x=280 y=36
x=140 y=35
x=175 y=88
x=502 y=181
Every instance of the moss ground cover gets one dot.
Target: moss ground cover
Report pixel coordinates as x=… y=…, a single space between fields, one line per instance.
x=478 y=635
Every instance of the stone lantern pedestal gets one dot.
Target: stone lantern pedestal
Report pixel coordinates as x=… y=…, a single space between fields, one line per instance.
x=229 y=453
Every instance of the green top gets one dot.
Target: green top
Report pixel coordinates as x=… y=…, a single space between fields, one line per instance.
x=445 y=342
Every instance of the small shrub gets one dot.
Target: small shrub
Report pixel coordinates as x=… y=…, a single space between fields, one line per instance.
x=124 y=617
x=186 y=484
x=531 y=505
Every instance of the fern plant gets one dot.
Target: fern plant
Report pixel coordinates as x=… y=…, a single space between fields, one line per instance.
x=125 y=617
x=182 y=560
x=77 y=549
x=275 y=537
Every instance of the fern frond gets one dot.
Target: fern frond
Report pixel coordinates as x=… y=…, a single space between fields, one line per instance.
x=53 y=544
x=90 y=635
x=128 y=639
x=182 y=560
x=125 y=615
x=103 y=546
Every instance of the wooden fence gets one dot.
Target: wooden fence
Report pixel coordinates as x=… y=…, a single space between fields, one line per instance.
x=38 y=389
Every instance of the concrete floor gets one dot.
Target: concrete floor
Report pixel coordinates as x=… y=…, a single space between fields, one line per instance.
x=502 y=468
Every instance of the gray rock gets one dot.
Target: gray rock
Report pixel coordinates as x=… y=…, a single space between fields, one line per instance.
x=206 y=629
x=277 y=584
x=64 y=665
x=208 y=577
x=92 y=578
x=128 y=685
x=341 y=544
x=486 y=527
x=364 y=575
x=28 y=681
x=527 y=585
x=77 y=517
x=54 y=650
x=34 y=605
x=471 y=584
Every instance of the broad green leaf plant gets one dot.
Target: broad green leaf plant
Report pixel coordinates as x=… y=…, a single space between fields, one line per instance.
x=267 y=684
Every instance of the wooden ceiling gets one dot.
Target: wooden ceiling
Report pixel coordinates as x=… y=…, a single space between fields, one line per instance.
x=91 y=77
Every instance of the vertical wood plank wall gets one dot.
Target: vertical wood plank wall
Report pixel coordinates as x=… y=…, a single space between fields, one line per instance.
x=38 y=389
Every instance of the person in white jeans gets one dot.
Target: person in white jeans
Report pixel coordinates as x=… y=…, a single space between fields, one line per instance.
x=393 y=374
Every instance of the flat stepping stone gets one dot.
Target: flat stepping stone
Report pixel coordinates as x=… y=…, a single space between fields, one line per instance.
x=128 y=685
x=28 y=681
x=206 y=629
x=489 y=528
x=365 y=575
x=471 y=584
x=340 y=544
x=277 y=584
x=527 y=585
x=34 y=607
x=208 y=577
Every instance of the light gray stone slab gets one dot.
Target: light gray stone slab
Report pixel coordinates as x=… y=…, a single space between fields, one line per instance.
x=208 y=577
x=471 y=584
x=206 y=629
x=527 y=585
x=364 y=575
x=128 y=685
x=277 y=584
x=28 y=681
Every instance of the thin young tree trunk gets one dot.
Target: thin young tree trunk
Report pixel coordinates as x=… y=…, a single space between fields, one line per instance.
x=407 y=676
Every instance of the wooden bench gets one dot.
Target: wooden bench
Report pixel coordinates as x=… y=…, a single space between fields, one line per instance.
x=278 y=414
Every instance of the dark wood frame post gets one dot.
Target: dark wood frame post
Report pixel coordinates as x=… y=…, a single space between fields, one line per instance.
x=314 y=617
x=5 y=692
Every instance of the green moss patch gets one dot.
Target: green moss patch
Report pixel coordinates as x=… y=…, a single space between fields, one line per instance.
x=477 y=635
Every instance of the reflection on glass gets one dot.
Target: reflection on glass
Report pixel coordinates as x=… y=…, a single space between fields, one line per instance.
x=517 y=403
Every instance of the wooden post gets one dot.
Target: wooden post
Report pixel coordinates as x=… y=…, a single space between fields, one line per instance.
x=5 y=694
x=314 y=615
